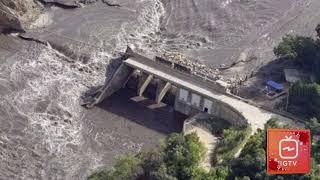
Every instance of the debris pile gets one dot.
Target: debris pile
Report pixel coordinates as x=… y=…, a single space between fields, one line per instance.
x=196 y=67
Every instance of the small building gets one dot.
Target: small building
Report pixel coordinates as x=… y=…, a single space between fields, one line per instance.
x=293 y=75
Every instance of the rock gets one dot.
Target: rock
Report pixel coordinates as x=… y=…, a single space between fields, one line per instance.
x=17 y=15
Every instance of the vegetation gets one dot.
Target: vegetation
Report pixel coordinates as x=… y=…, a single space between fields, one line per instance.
x=299 y=48
x=252 y=160
x=303 y=50
x=318 y=30
x=314 y=126
x=306 y=52
x=126 y=167
x=217 y=125
x=251 y=163
x=232 y=141
x=306 y=97
x=178 y=158
x=182 y=155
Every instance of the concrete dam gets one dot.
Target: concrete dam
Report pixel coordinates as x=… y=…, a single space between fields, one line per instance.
x=194 y=94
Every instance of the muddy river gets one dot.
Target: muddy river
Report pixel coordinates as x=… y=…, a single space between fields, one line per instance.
x=46 y=134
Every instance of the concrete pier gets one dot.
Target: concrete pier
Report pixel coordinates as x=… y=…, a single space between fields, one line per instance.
x=117 y=81
x=162 y=89
x=144 y=81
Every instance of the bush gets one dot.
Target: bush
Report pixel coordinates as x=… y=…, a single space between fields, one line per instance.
x=314 y=126
x=307 y=97
x=178 y=158
x=304 y=50
x=299 y=48
x=183 y=154
x=252 y=158
x=318 y=30
x=232 y=141
x=216 y=173
x=251 y=163
x=126 y=167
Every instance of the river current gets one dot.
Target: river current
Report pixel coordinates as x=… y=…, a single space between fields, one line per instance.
x=46 y=134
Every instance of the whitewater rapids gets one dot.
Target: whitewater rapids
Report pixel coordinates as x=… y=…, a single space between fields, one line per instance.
x=46 y=134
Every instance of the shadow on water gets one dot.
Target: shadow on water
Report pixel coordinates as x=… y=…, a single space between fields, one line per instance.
x=159 y=117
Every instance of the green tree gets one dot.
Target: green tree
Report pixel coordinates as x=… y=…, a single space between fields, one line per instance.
x=315 y=171
x=162 y=174
x=152 y=164
x=251 y=163
x=318 y=30
x=220 y=172
x=232 y=141
x=126 y=167
x=178 y=158
x=299 y=48
x=183 y=154
x=252 y=158
x=307 y=97
x=314 y=126
x=304 y=50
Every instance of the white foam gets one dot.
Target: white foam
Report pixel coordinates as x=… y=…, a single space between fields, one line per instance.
x=141 y=32
x=43 y=20
x=60 y=83
x=225 y=3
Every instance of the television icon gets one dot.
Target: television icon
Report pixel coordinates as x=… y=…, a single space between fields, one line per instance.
x=288 y=151
x=288 y=148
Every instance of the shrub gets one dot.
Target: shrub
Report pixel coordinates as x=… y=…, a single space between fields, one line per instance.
x=318 y=30
x=183 y=154
x=299 y=48
x=126 y=167
x=232 y=141
x=251 y=163
x=307 y=97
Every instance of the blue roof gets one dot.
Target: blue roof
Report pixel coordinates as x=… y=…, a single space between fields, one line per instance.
x=275 y=85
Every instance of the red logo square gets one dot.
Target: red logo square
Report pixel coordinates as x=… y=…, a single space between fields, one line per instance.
x=288 y=151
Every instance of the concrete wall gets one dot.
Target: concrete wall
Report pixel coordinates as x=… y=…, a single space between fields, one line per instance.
x=197 y=120
x=188 y=106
